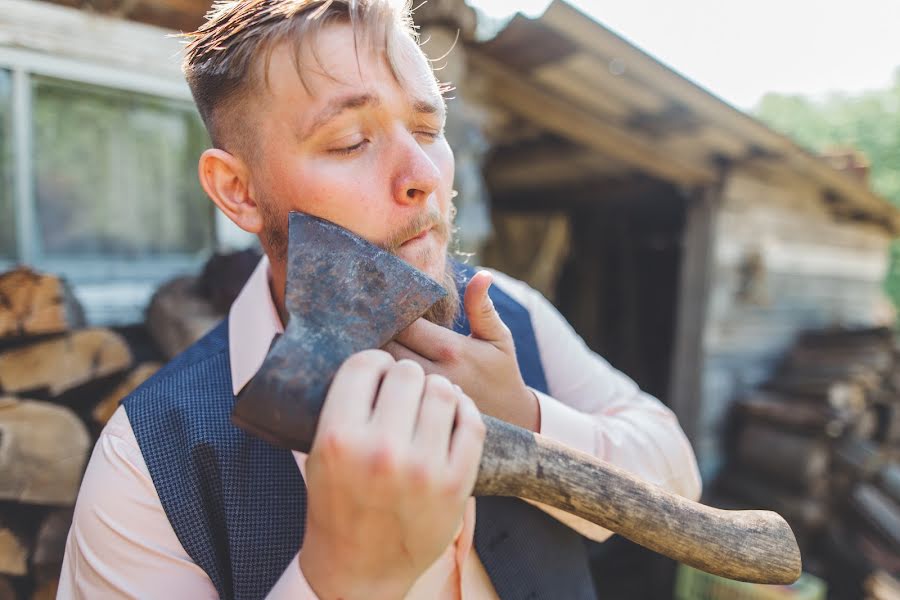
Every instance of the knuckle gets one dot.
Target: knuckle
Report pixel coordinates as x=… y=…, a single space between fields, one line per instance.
x=383 y=460
x=439 y=388
x=408 y=369
x=369 y=360
x=333 y=445
x=452 y=486
x=448 y=352
x=419 y=474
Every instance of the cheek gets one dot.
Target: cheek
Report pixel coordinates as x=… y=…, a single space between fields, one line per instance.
x=343 y=194
x=446 y=164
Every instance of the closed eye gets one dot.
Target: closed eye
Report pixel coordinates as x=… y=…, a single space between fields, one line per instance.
x=430 y=135
x=349 y=149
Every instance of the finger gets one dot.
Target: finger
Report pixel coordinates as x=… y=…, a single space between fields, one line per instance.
x=432 y=341
x=435 y=422
x=399 y=398
x=466 y=443
x=484 y=321
x=401 y=352
x=349 y=399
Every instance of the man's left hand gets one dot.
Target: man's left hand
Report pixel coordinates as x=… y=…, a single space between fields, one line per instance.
x=483 y=364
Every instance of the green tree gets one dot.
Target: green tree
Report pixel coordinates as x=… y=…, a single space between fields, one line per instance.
x=869 y=122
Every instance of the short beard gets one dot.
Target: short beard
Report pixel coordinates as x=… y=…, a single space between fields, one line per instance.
x=445 y=312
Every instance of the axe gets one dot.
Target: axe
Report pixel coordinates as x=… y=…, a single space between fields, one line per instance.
x=345 y=295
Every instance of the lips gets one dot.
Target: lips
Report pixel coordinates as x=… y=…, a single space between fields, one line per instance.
x=419 y=236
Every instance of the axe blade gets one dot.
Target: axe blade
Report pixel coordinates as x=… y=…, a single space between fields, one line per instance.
x=344 y=295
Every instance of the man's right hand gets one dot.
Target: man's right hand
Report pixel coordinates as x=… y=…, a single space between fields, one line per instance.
x=393 y=462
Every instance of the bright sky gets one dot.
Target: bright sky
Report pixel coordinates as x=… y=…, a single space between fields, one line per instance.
x=740 y=50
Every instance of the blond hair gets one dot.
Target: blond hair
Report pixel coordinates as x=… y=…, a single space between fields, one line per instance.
x=227 y=58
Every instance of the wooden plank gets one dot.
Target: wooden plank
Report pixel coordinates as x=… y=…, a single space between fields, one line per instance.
x=592 y=131
x=580 y=92
x=651 y=73
x=584 y=194
x=587 y=80
x=548 y=167
x=685 y=387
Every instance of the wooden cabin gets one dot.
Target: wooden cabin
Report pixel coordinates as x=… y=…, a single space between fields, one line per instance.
x=686 y=242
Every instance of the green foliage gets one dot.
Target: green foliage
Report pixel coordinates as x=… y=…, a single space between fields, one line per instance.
x=869 y=122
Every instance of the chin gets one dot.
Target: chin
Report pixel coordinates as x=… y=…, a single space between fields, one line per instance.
x=430 y=258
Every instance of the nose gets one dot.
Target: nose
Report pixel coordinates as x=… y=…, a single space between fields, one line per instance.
x=416 y=176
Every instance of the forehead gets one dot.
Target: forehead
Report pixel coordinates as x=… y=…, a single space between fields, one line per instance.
x=335 y=63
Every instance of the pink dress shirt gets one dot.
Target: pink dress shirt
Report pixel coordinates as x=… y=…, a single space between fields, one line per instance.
x=122 y=545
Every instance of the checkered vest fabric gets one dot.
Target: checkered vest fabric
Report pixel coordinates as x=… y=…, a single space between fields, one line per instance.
x=238 y=504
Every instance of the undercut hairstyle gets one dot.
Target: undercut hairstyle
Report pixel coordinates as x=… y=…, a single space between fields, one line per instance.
x=227 y=59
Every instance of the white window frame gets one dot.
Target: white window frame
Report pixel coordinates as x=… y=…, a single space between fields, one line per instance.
x=38 y=38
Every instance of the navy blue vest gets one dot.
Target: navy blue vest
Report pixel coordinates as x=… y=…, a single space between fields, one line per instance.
x=238 y=504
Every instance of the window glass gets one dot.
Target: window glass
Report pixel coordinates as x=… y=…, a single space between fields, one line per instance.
x=7 y=216
x=116 y=174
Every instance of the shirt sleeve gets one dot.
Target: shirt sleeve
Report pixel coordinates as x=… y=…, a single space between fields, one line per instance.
x=121 y=543
x=594 y=408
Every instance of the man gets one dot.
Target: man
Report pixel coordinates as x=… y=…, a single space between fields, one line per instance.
x=332 y=109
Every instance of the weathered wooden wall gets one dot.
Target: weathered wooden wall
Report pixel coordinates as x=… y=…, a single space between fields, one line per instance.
x=781 y=264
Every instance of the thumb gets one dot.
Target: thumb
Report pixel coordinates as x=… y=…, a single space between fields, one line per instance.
x=483 y=318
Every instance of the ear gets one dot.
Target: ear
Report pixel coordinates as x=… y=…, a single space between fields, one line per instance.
x=226 y=180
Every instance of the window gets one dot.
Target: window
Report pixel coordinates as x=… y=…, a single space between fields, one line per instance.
x=115 y=174
x=7 y=216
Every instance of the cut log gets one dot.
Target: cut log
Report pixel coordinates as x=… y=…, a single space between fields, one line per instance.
x=59 y=365
x=860 y=459
x=178 y=316
x=35 y=304
x=50 y=545
x=14 y=550
x=798 y=462
x=799 y=415
x=839 y=360
x=887 y=411
x=43 y=450
x=843 y=394
x=860 y=339
x=108 y=405
x=866 y=425
x=889 y=481
x=878 y=511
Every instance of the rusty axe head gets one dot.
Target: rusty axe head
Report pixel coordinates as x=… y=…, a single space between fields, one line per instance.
x=343 y=295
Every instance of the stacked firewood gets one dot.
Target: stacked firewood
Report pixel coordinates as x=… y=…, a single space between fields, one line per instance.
x=61 y=381
x=820 y=444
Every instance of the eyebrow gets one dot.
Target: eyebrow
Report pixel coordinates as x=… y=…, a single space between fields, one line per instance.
x=357 y=101
x=335 y=108
x=428 y=107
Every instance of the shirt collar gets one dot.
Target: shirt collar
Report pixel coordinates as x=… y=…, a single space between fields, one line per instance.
x=253 y=323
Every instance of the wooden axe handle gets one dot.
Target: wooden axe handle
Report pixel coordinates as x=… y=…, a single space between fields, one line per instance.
x=747 y=545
